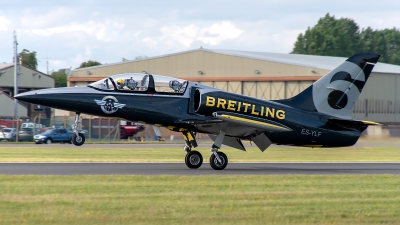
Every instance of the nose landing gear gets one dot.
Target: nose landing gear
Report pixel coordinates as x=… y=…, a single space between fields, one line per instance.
x=77 y=139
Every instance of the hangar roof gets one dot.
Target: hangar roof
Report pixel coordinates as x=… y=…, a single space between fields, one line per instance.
x=5 y=65
x=321 y=62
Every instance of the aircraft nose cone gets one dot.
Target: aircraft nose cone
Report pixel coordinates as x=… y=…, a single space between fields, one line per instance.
x=26 y=96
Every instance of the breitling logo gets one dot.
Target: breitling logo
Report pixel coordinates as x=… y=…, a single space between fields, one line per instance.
x=243 y=107
x=109 y=104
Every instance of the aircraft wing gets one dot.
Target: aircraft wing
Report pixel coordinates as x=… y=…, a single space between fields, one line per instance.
x=198 y=121
x=240 y=126
x=256 y=123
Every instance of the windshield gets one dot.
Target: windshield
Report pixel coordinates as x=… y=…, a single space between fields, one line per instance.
x=104 y=84
x=48 y=131
x=7 y=130
x=140 y=82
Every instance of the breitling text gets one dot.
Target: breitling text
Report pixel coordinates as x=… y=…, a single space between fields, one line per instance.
x=244 y=107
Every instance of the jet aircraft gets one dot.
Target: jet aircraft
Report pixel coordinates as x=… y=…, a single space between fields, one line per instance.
x=320 y=116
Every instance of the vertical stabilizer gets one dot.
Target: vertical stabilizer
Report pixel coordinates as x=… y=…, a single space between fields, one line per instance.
x=336 y=92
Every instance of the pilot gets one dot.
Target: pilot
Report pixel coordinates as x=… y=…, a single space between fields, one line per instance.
x=131 y=84
x=175 y=85
x=120 y=84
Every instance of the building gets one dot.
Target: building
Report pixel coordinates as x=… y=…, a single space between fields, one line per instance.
x=262 y=75
x=28 y=80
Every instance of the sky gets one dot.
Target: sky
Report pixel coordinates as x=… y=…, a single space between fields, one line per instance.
x=67 y=33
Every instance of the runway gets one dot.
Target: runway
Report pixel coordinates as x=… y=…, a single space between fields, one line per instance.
x=181 y=169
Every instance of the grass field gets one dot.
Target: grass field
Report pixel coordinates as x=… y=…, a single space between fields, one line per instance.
x=272 y=199
x=74 y=154
x=300 y=199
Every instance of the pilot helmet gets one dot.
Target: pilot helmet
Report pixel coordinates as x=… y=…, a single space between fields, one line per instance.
x=120 y=81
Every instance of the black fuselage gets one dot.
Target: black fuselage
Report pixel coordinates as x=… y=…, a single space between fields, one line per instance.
x=306 y=128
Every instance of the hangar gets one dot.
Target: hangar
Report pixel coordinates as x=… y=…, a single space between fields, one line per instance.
x=28 y=80
x=259 y=74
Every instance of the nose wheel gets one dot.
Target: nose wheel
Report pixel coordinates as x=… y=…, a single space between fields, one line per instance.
x=77 y=139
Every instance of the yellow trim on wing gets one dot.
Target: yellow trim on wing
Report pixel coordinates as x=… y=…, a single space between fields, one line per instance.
x=370 y=122
x=252 y=121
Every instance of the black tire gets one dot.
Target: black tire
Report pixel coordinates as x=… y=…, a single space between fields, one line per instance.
x=215 y=164
x=122 y=134
x=193 y=159
x=78 y=140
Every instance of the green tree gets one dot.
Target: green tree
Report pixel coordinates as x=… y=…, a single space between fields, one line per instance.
x=28 y=58
x=60 y=78
x=342 y=37
x=391 y=44
x=330 y=36
x=89 y=64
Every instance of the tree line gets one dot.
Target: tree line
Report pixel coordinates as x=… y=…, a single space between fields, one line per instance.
x=343 y=37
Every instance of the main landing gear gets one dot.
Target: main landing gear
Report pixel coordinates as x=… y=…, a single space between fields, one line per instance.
x=77 y=139
x=194 y=159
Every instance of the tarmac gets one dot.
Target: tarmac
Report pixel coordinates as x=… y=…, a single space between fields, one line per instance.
x=205 y=169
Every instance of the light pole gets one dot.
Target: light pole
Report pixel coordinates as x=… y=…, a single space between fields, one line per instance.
x=15 y=77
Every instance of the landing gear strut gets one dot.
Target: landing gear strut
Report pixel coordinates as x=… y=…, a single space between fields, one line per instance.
x=77 y=139
x=218 y=160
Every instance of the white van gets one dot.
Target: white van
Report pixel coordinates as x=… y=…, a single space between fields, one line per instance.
x=31 y=125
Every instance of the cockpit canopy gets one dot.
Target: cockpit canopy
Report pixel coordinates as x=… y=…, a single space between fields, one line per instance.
x=141 y=83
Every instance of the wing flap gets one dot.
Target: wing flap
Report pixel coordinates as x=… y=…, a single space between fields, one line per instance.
x=266 y=125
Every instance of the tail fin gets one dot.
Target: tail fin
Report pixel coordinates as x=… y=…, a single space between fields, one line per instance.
x=336 y=93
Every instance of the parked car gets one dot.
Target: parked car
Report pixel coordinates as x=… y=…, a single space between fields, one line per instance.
x=8 y=134
x=130 y=129
x=53 y=135
x=69 y=129
x=26 y=134
x=2 y=127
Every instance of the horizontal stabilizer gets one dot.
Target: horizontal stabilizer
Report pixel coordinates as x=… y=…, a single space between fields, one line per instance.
x=229 y=141
x=352 y=124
